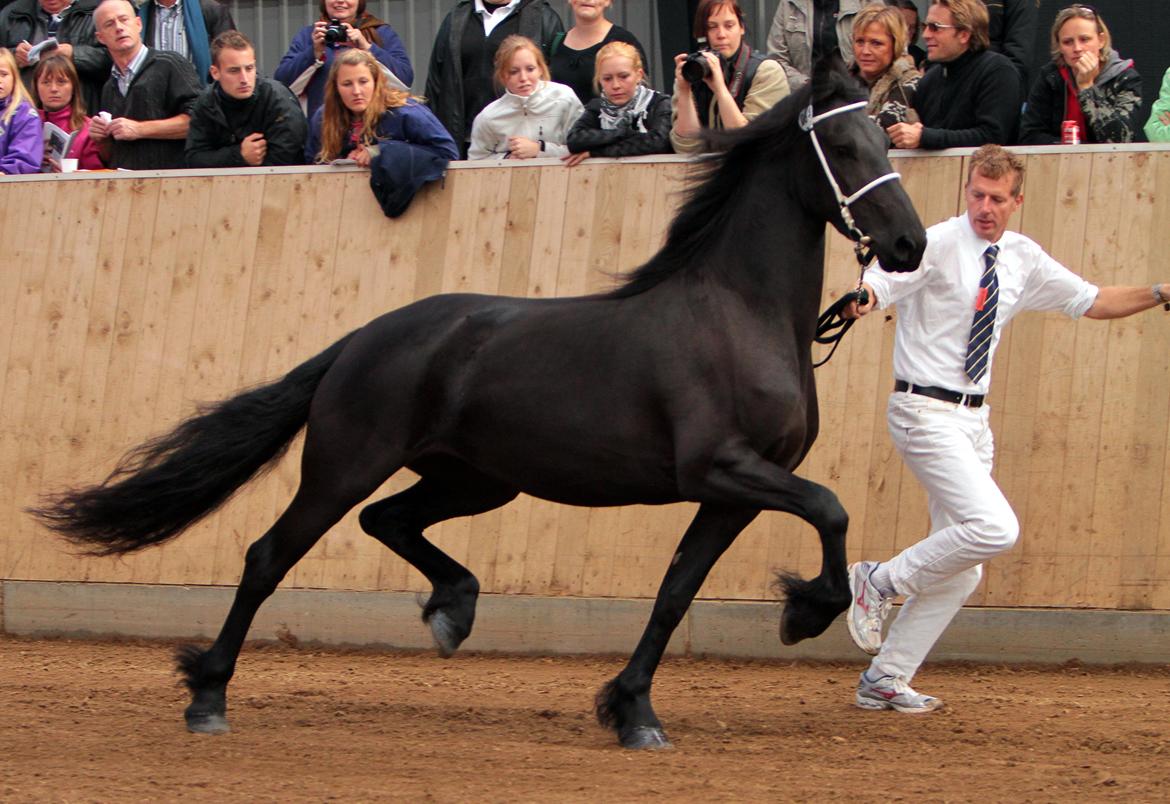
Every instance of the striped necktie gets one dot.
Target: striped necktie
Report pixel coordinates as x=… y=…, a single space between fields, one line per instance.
x=983 y=324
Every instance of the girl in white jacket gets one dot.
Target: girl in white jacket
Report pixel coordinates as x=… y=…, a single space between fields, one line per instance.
x=533 y=117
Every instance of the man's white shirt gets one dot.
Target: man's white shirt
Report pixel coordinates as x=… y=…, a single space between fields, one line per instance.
x=936 y=303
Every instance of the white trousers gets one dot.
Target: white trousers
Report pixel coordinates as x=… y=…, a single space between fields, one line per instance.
x=949 y=448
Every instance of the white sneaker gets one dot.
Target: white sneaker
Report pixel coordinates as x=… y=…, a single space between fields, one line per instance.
x=867 y=608
x=891 y=692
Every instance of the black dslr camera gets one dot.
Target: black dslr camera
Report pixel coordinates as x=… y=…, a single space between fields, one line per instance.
x=696 y=67
x=335 y=33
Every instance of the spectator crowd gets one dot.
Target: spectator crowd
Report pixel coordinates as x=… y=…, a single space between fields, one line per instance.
x=92 y=84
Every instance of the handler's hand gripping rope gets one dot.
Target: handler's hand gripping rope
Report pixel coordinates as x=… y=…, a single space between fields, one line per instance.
x=832 y=326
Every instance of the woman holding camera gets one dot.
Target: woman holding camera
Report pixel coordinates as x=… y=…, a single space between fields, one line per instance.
x=723 y=87
x=344 y=24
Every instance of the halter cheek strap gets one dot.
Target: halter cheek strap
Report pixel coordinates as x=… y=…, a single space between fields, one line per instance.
x=807 y=122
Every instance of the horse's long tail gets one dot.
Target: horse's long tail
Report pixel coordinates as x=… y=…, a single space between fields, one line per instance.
x=162 y=487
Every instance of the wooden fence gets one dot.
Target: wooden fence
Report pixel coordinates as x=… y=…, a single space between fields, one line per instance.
x=126 y=299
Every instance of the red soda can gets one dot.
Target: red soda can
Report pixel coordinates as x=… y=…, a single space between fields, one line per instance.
x=1070 y=133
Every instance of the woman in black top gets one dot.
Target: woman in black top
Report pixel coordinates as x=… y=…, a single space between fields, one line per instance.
x=574 y=57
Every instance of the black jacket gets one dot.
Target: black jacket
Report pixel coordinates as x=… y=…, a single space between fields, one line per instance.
x=588 y=135
x=214 y=141
x=18 y=24
x=1012 y=28
x=444 y=91
x=969 y=102
x=164 y=86
x=1112 y=106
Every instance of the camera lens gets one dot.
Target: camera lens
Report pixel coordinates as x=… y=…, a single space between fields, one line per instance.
x=695 y=68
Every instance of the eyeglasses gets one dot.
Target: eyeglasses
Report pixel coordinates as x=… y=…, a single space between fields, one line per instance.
x=935 y=27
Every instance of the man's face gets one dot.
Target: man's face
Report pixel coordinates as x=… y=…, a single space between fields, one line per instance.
x=55 y=6
x=118 y=27
x=235 y=70
x=990 y=204
x=946 y=43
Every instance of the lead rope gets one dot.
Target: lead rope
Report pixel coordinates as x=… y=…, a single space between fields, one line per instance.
x=832 y=326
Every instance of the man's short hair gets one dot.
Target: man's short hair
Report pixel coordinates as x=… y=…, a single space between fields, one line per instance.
x=970 y=15
x=229 y=40
x=995 y=162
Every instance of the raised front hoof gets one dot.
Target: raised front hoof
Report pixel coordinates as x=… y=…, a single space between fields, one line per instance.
x=446 y=634
x=206 y=723
x=791 y=631
x=645 y=738
x=809 y=607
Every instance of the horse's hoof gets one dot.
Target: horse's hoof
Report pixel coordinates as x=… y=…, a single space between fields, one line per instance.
x=645 y=737
x=443 y=631
x=789 y=634
x=208 y=724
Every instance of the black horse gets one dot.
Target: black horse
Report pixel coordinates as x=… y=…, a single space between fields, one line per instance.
x=690 y=381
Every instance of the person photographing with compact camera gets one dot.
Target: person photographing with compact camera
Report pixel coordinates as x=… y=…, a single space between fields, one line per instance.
x=725 y=85
x=343 y=24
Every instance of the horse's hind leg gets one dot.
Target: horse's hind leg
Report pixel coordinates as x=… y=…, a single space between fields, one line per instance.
x=399 y=521
x=624 y=703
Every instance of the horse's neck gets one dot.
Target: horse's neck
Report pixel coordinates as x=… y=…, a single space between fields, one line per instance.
x=777 y=262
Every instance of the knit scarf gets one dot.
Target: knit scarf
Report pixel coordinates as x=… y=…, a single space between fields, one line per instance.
x=196 y=30
x=631 y=114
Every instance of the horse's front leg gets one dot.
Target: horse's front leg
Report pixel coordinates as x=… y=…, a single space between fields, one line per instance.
x=743 y=477
x=624 y=703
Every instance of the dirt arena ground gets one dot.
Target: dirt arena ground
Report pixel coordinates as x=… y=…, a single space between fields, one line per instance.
x=86 y=721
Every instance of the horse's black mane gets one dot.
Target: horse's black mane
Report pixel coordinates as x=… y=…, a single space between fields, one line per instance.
x=714 y=189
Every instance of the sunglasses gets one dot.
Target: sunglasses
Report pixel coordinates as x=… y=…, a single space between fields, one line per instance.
x=935 y=27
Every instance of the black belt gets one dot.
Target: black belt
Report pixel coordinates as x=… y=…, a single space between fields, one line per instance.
x=934 y=392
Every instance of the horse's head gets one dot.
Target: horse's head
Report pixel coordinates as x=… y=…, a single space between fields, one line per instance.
x=848 y=177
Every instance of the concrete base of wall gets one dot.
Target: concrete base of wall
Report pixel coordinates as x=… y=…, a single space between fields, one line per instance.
x=513 y=623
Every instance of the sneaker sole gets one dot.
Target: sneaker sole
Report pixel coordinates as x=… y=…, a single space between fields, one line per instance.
x=874 y=705
x=853 y=634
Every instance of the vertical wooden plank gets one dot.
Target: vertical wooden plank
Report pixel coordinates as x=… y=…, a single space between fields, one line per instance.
x=25 y=384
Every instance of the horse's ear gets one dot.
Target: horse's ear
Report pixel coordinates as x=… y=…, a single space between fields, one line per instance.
x=827 y=72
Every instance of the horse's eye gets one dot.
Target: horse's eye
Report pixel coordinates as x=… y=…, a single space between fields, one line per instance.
x=842 y=151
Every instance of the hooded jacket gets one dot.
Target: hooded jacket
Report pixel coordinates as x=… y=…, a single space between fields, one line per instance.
x=18 y=23
x=547 y=114
x=968 y=102
x=1111 y=106
x=535 y=19
x=214 y=141
x=413 y=123
x=22 y=146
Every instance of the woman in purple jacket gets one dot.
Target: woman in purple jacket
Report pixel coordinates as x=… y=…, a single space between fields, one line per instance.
x=305 y=66
x=21 y=144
